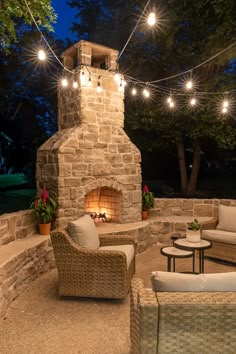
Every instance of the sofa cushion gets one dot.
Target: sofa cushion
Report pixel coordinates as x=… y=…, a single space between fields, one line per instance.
x=219 y=236
x=127 y=249
x=84 y=232
x=227 y=218
x=167 y=281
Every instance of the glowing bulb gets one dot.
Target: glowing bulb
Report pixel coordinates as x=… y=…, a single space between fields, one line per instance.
x=189 y=85
x=75 y=85
x=134 y=91
x=82 y=78
x=225 y=104
x=99 y=89
x=146 y=93
x=224 y=110
x=151 y=19
x=193 y=101
x=89 y=81
x=41 y=55
x=117 y=77
x=172 y=104
x=64 y=82
x=169 y=99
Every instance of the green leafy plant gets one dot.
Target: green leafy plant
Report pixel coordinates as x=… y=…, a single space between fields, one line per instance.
x=194 y=226
x=147 y=199
x=44 y=207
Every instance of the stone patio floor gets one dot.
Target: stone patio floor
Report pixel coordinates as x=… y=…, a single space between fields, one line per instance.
x=38 y=322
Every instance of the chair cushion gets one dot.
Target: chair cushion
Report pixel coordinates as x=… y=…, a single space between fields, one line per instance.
x=227 y=218
x=127 y=249
x=219 y=236
x=166 y=281
x=84 y=232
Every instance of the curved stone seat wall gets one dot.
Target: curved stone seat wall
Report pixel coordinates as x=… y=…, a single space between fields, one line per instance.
x=171 y=216
x=15 y=226
x=21 y=262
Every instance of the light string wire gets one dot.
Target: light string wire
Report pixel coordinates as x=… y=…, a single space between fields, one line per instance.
x=45 y=40
x=135 y=27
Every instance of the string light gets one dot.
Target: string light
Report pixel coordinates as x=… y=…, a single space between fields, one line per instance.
x=193 y=101
x=151 y=19
x=75 y=84
x=189 y=85
x=90 y=80
x=64 y=82
x=42 y=55
x=225 y=104
x=134 y=91
x=146 y=93
x=99 y=88
x=117 y=77
x=169 y=99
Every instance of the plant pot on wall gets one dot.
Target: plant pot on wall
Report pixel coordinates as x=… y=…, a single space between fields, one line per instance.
x=144 y=214
x=44 y=229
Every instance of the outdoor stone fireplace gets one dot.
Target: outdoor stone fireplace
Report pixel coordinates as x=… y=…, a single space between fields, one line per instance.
x=90 y=164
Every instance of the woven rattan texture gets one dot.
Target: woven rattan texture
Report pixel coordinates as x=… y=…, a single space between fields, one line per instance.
x=91 y=273
x=219 y=250
x=193 y=323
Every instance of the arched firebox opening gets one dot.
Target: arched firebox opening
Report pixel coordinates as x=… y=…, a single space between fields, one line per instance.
x=102 y=201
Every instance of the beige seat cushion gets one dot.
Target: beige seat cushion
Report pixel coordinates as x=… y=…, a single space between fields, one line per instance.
x=219 y=236
x=84 y=232
x=227 y=218
x=127 y=249
x=167 y=281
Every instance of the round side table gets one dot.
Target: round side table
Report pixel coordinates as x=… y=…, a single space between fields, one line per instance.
x=172 y=253
x=200 y=246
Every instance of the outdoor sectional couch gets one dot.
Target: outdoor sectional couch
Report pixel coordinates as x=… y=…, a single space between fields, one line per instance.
x=181 y=322
x=221 y=232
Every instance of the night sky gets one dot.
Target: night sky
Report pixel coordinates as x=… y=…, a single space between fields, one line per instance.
x=65 y=17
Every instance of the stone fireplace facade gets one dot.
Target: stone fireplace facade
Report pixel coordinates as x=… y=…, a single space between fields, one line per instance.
x=90 y=164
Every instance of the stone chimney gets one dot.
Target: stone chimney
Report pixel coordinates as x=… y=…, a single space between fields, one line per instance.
x=90 y=164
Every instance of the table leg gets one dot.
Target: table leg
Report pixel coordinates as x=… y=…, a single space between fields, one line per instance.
x=169 y=264
x=193 y=261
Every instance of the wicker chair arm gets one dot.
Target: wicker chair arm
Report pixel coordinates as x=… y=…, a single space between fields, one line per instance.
x=210 y=224
x=113 y=240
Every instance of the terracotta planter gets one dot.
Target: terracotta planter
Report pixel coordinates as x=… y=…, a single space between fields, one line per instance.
x=44 y=229
x=144 y=214
x=193 y=236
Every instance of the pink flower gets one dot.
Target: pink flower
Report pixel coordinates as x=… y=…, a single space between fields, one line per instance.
x=145 y=189
x=44 y=195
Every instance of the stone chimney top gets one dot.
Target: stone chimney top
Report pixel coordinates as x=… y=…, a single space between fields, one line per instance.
x=90 y=54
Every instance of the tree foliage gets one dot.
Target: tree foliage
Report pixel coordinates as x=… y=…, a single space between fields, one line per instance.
x=13 y=11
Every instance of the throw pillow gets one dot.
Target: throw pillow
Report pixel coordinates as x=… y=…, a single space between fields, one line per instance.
x=227 y=218
x=166 y=281
x=84 y=232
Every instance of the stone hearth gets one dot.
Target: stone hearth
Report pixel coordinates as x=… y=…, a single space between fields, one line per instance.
x=90 y=164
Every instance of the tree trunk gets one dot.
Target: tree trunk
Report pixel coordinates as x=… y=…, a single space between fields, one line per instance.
x=182 y=166
x=195 y=169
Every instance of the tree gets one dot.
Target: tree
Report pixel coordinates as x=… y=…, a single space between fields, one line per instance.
x=14 y=11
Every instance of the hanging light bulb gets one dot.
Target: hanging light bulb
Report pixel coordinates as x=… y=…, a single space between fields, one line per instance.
x=169 y=99
x=172 y=104
x=75 y=85
x=146 y=93
x=90 y=80
x=42 y=55
x=224 y=110
x=193 y=101
x=225 y=104
x=151 y=19
x=82 y=78
x=117 y=77
x=64 y=82
x=189 y=85
x=134 y=91
x=121 y=87
x=99 y=88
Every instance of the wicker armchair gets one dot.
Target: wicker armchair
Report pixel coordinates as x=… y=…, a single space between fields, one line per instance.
x=92 y=273
x=181 y=322
x=221 y=249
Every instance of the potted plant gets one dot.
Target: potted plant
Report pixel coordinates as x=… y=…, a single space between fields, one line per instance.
x=45 y=211
x=194 y=231
x=147 y=201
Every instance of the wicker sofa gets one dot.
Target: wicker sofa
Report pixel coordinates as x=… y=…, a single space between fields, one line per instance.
x=224 y=239
x=181 y=322
x=92 y=273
